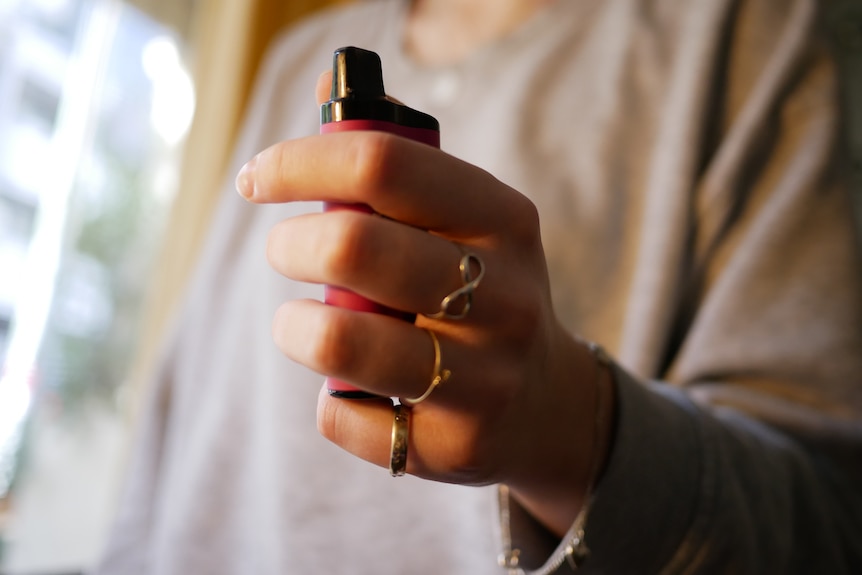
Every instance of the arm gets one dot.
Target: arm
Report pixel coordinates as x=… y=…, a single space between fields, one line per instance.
x=749 y=460
x=522 y=388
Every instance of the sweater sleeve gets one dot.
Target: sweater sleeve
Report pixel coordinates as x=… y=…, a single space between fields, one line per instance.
x=744 y=455
x=704 y=488
x=695 y=488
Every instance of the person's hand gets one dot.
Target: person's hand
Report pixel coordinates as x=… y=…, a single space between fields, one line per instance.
x=519 y=407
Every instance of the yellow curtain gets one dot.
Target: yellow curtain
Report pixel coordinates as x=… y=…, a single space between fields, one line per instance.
x=229 y=37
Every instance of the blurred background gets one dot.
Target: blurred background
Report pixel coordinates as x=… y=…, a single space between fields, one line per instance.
x=97 y=101
x=116 y=118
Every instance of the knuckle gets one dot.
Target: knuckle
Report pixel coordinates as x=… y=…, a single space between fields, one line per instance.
x=331 y=349
x=279 y=321
x=281 y=165
x=376 y=162
x=272 y=168
x=473 y=452
x=327 y=419
x=525 y=228
x=525 y=317
x=273 y=247
x=351 y=250
x=471 y=465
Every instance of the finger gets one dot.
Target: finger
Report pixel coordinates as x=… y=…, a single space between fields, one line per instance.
x=324 y=87
x=338 y=343
x=401 y=179
x=378 y=354
x=396 y=265
x=359 y=427
x=392 y=358
x=364 y=428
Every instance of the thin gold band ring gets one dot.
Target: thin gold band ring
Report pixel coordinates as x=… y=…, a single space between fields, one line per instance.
x=438 y=376
x=400 y=438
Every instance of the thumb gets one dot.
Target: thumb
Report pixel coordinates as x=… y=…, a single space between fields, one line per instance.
x=324 y=84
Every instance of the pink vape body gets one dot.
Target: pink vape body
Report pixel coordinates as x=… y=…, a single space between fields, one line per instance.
x=358 y=102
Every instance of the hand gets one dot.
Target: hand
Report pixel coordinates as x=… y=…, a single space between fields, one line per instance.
x=519 y=407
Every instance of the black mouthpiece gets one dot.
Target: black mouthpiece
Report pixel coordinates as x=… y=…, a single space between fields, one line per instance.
x=358 y=93
x=356 y=73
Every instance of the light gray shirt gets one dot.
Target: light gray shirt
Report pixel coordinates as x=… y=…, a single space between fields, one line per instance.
x=683 y=157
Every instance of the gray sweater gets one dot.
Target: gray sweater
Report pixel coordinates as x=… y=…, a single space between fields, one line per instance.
x=684 y=159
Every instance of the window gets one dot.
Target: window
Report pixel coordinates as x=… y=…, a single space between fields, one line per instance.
x=94 y=103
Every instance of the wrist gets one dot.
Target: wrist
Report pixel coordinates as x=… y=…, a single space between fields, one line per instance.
x=577 y=429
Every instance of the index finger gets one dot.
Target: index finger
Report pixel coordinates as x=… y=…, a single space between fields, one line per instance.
x=401 y=179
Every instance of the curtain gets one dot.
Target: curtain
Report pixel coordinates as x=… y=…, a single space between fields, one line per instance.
x=229 y=38
x=175 y=14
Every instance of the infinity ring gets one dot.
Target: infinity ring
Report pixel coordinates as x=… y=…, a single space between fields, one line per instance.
x=438 y=376
x=463 y=294
x=400 y=436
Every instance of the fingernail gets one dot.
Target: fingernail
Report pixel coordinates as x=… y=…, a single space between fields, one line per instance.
x=245 y=179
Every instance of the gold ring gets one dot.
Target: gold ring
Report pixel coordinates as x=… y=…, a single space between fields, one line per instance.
x=400 y=436
x=438 y=376
x=463 y=294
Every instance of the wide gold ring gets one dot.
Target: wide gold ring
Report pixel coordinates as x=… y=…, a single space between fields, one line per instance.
x=462 y=296
x=438 y=376
x=400 y=437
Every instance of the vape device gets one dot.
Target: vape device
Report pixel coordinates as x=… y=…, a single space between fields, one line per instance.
x=358 y=101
